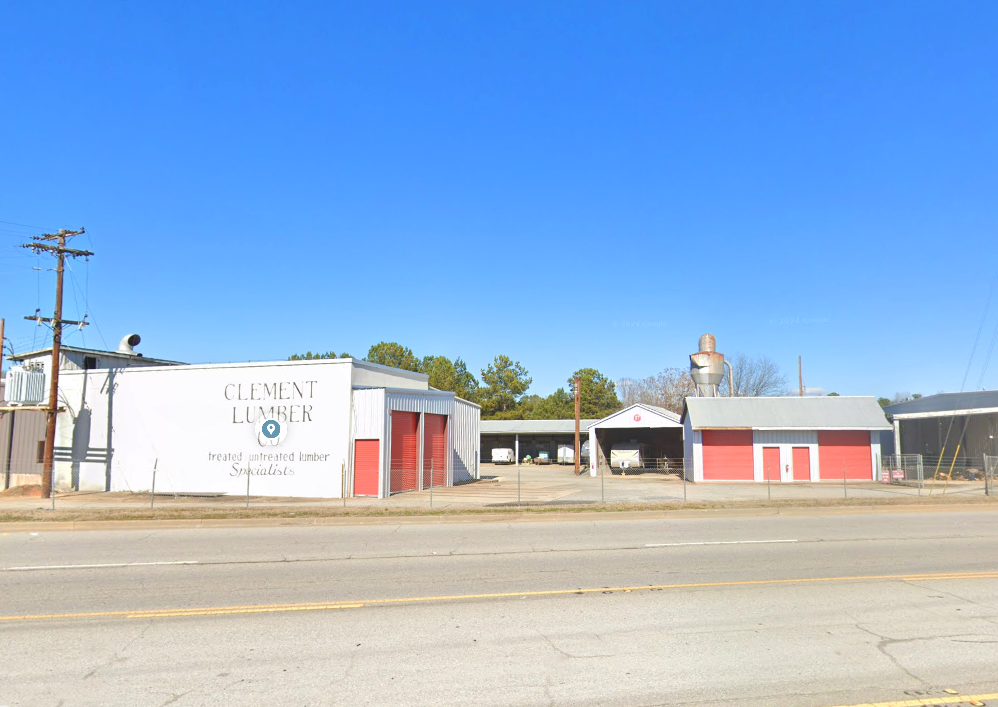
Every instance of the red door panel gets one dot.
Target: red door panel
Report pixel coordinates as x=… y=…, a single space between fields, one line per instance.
x=727 y=455
x=434 y=449
x=771 y=463
x=404 y=451
x=802 y=464
x=366 y=467
x=847 y=451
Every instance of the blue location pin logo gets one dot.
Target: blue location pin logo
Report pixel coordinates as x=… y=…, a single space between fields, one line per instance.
x=271 y=429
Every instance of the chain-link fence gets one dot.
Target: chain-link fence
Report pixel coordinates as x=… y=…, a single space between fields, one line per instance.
x=904 y=470
x=170 y=491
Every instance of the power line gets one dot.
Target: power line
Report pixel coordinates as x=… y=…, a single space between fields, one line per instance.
x=26 y=225
x=987 y=359
x=980 y=328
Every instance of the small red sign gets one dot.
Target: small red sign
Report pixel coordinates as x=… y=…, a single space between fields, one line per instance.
x=637 y=417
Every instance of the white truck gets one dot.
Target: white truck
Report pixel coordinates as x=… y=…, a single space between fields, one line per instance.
x=503 y=455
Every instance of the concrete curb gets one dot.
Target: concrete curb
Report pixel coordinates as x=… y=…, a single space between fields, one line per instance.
x=581 y=516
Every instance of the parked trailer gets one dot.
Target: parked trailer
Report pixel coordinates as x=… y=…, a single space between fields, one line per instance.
x=566 y=454
x=503 y=456
x=628 y=455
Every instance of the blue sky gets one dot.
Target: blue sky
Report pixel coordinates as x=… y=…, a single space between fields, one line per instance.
x=572 y=184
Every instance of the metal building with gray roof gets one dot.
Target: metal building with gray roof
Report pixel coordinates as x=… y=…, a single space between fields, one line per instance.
x=783 y=439
x=947 y=424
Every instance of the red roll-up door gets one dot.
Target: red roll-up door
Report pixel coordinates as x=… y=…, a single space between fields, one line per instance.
x=366 y=467
x=434 y=449
x=727 y=455
x=771 y=464
x=802 y=464
x=404 y=451
x=845 y=452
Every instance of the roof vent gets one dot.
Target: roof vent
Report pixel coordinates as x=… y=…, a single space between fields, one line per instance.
x=128 y=344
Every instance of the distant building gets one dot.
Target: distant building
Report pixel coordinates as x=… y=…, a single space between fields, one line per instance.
x=530 y=437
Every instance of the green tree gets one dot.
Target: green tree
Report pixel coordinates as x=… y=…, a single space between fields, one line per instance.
x=832 y=395
x=557 y=406
x=390 y=353
x=450 y=375
x=599 y=394
x=504 y=383
x=309 y=356
x=884 y=402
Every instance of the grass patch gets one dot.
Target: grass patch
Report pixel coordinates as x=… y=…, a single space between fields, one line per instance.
x=180 y=513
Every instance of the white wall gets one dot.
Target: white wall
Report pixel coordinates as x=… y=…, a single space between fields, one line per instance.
x=192 y=420
x=373 y=375
x=466 y=440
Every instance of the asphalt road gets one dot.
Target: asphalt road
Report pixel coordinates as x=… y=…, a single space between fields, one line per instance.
x=804 y=610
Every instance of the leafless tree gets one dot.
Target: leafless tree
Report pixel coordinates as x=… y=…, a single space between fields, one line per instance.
x=668 y=389
x=756 y=376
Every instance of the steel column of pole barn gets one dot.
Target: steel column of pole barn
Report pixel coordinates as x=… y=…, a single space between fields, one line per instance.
x=578 y=408
x=897 y=438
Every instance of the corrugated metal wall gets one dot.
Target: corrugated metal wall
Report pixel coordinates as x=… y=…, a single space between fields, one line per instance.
x=799 y=437
x=414 y=402
x=465 y=426
x=20 y=433
x=368 y=413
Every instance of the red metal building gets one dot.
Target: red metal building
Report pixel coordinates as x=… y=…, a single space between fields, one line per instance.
x=783 y=439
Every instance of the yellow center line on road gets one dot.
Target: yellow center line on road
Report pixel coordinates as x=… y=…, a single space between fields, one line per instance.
x=948 y=700
x=360 y=603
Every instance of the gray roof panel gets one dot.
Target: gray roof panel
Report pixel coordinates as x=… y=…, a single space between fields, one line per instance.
x=531 y=427
x=946 y=402
x=790 y=413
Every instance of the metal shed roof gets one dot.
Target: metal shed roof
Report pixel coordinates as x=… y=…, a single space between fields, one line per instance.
x=100 y=352
x=531 y=427
x=793 y=413
x=666 y=417
x=975 y=402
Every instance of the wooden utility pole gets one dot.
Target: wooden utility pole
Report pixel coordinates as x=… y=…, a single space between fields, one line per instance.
x=578 y=410
x=800 y=377
x=55 y=244
x=2 y=322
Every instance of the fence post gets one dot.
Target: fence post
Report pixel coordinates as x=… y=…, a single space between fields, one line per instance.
x=986 y=492
x=602 y=486
x=845 y=489
x=247 y=484
x=343 y=482
x=152 y=494
x=518 y=486
x=921 y=473
x=684 y=481
x=769 y=487
x=431 y=483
